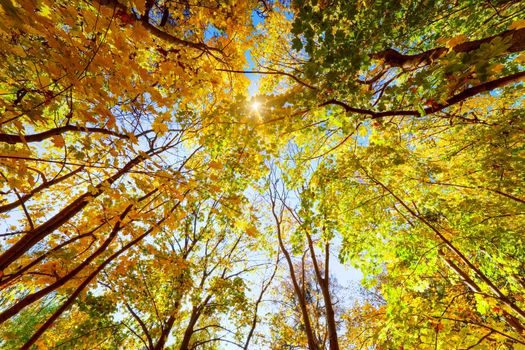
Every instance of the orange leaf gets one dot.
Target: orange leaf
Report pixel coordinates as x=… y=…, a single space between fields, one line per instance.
x=252 y=231
x=215 y=165
x=58 y=141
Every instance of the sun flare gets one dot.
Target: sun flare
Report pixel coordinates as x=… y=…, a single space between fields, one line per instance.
x=255 y=106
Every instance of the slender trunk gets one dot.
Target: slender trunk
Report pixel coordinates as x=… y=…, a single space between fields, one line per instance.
x=324 y=283
x=11 y=278
x=141 y=324
x=257 y=303
x=312 y=343
x=156 y=32
x=467 y=93
x=12 y=139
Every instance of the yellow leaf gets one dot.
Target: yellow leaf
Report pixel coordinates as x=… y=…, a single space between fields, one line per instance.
x=12 y=240
x=159 y=127
x=362 y=131
x=17 y=50
x=45 y=11
x=215 y=188
x=111 y=121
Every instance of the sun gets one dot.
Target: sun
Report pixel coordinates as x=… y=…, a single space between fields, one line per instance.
x=255 y=106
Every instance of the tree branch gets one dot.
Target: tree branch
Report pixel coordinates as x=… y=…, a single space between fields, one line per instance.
x=393 y=58
x=470 y=92
x=12 y=139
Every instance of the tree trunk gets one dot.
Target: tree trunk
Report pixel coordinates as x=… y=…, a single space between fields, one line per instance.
x=185 y=343
x=324 y=283
x=165 y=334
x=38 y=234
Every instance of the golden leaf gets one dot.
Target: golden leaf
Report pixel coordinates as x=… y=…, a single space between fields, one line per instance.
x=159 y=127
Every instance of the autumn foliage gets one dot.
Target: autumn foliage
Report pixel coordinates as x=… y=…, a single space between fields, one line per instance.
x=202 y=174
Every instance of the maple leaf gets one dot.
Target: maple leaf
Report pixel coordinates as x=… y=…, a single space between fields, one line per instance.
x=58 y=141
x=159 y=127
x=215 y=165
x=252 y=231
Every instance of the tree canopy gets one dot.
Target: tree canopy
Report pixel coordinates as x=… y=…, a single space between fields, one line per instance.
x=204 y=174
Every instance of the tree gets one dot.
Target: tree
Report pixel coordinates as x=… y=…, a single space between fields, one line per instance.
x=132 y=159
x=104 y=105
x=415 y=123
x=189 y=284
x=94 y=325
x=309 y=276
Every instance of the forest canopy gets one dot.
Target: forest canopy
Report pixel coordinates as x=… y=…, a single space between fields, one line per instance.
x=262 y=174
